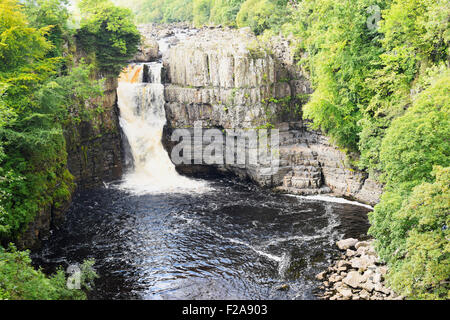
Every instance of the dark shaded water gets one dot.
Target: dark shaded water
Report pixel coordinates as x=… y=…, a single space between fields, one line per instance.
x=235 y=242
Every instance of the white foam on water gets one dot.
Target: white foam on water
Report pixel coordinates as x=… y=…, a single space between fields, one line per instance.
x=284 y=264
x=331 y=199
x=259 y=252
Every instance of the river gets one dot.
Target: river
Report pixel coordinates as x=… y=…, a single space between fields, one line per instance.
x=235 y=241
x=159 y=235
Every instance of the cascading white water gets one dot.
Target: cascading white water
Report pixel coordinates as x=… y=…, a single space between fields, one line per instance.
x=142 y=118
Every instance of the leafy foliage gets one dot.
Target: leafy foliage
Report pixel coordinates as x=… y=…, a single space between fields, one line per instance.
x=410 y=223
x=340 y=56
x=420 y=139
x=260 y=15
x=53 y=13
x=42 y=90
x=225 y=11
x=425 y=269
x=380 y=90
x=110 y=33
x=413 y=233
x=20 y=281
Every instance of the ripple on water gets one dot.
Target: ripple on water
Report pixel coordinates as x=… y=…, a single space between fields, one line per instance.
x=233 y=241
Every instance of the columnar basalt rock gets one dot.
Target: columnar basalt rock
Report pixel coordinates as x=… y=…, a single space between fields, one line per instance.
x=228 y=80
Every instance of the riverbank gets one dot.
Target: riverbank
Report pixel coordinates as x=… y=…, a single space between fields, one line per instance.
x=357 y=275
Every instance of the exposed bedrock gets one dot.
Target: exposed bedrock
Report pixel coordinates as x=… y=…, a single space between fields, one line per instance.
x=225 y=79
x=94 y=147
x=94 y=156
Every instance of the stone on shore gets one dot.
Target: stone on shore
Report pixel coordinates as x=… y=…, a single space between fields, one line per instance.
x=321 y=275
x=357 y=275
x=346 y=243
x=353 y=279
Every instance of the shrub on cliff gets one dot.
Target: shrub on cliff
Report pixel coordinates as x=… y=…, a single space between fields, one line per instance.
x=420 y=265
x=411 y=221
x=414 y=144
x=20 y=281
x=110 y=33
x=262 y=15
x=420 y=139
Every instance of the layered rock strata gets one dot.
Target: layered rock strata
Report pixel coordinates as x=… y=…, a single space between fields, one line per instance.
x=227 y=80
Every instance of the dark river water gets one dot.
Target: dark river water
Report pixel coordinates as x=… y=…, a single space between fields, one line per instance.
x=233 y=242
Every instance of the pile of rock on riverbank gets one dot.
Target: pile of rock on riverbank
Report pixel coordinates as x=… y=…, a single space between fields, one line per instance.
x=358 y=275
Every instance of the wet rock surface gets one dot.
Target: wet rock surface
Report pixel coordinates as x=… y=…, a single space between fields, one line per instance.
x=227 y=79
x=357 y=275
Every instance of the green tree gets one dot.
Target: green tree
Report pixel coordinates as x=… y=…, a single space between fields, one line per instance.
x=53 y=13
x=225 y=11
x=202 y=11
x=340 y=56
x=422 y=268
x=110 y=33
x=262 y=15
x=410 y=222
x=415 y=39
x=20 y=281
x=420 y=139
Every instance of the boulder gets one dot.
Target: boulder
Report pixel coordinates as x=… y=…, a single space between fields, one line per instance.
x=346 y=243
x=335 y=278
x=321 y=275
x=353 y=279
x=364 y=295
x=380 y=288
x=343 y=263
x=383 y=270
x=367 y=286
x=363 y=263
x=148 y=51
x=377 y=278
x=345 y=292
x=350 y=253
x=362 y=244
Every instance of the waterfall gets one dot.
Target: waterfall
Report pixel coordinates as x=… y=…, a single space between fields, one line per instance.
x=142 y=119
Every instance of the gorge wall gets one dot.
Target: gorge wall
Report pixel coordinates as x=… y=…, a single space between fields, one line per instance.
x=227 y=80
x=94 y=155
x=94 y=147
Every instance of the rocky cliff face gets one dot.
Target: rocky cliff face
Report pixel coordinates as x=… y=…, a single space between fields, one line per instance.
x=94 y=147
x=227 y=80
x=94 y=150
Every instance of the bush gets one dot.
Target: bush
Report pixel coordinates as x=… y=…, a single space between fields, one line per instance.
x=420 y=139
x=20 y=281
x=261 y=15
x=421 y=267
x=110 y=33
x=225 y=11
